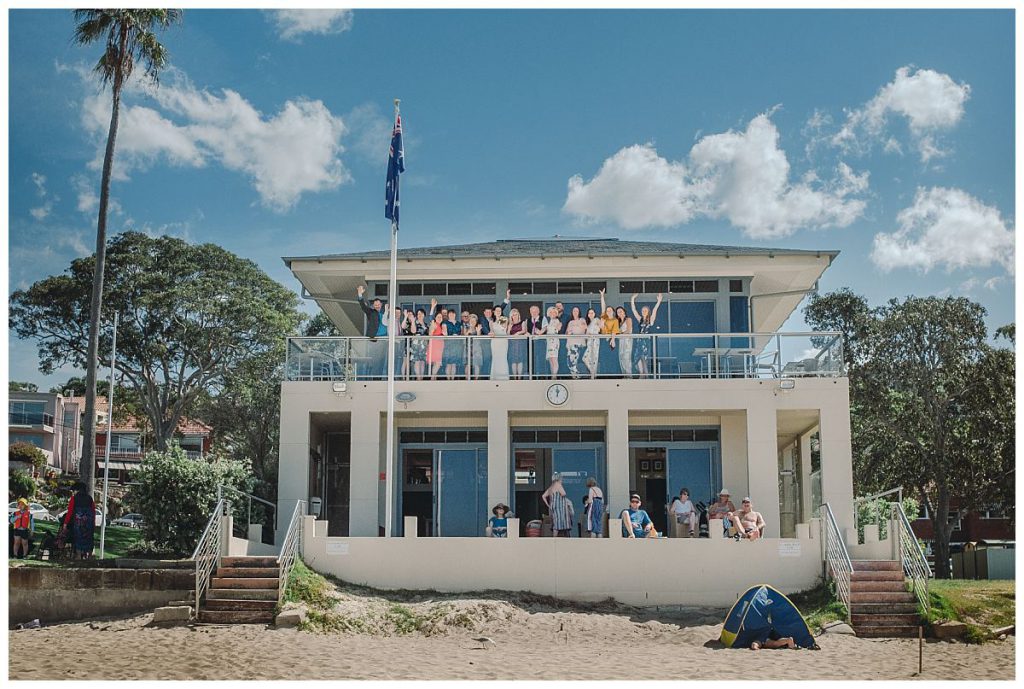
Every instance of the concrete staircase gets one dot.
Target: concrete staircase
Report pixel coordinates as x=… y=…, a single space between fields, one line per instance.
x=243 y=590
x=880 y=605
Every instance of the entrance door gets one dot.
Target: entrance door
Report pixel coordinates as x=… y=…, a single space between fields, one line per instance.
x=461 y=492
x=692 y=469
x=575 y=466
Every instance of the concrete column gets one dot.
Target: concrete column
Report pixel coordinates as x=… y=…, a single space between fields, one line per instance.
x=806 y=508
x=617 y=434
x=411 y=529
x=734 y=456
x=763 y=466
x=837 y=462
x=513 y=527
x=255 y=533
x=293 y=463
x=226 y=526
x=364 y=477
x=499 y=465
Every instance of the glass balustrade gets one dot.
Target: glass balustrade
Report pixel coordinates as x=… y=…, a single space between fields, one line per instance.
x=674 y=356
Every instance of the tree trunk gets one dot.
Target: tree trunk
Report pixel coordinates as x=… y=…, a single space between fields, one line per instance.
x=943 y=531
x=87 y=468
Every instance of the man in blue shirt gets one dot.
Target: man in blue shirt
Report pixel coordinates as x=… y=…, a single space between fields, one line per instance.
x=638 y=519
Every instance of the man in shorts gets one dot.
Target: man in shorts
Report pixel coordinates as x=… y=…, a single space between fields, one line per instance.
x=636 y=523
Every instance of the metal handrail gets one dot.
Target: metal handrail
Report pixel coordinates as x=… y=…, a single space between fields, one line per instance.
x=208 y=550
x=837 y=560
x=878 y=510
x=249 y=497
x=291 y=546
x=915 y=564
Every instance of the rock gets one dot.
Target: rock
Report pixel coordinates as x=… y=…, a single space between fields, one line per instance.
x=949 y=630
x=838 y=628
x=172 y=614
x=1004 y=631
x=290 y=618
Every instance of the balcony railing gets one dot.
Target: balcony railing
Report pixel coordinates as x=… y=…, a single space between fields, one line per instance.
x=31 y=418
x=520 y=357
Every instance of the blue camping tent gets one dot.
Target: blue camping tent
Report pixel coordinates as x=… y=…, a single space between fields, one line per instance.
x=760 y=610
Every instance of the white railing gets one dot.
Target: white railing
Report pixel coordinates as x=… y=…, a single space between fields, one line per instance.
x=837 y=560
x=208 y=550
x=249 y=498
x=915 y=564
x=291 y=547
x=540 y=357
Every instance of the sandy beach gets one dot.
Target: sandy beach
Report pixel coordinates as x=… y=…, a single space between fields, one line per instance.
x=531 y=641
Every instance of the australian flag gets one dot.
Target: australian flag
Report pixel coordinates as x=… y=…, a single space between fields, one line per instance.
x=396 y=165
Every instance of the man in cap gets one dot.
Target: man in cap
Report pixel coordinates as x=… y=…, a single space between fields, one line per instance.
x=636 y=523
x=722 y=509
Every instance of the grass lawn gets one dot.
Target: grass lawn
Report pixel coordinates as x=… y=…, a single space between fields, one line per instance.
x=982 y=604
x=118 y=540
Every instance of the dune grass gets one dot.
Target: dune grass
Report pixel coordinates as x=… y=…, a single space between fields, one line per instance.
x=819 y=606
x=980 y=604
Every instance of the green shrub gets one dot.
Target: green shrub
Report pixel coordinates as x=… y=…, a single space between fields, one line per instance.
x=176 y=494
x=877 y=512
x=21 y=485
x=27 y=453
x=153 y=551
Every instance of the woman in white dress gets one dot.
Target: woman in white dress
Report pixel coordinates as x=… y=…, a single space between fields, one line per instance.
x=576 y=326
x=499 y=348
x=590 y=357
x=625 y=343
x=553 y=327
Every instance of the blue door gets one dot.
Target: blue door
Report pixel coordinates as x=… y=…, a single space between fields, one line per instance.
x=575 y=466
x=692 y=469
x=461 y=492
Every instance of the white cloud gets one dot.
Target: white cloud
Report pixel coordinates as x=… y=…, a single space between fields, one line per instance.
x=285 y=155
x=930 y=101
x=945 y=227
x=41 y=212
x=743 y=177
x=969 y=284
x=370 y=133
x=993 y=283
x=87 y=193
x=292 y=24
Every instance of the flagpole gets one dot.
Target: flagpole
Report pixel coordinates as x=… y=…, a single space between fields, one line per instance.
x=389 y=466
x=110 y=428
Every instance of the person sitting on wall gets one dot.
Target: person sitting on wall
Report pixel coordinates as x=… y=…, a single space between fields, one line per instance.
x=638 y=519
x=722 y=509
x=682 y=510
x=497 y=526
x=749 y=524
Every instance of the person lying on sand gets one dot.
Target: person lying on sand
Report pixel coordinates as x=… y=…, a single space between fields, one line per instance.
x=774 y=641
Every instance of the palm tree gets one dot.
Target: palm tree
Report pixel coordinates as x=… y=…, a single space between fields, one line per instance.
x=130 y=39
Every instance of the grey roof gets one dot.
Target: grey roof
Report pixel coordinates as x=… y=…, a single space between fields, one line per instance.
x=563 y=246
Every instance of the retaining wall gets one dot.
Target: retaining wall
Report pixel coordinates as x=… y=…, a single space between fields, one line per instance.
x=58 y=594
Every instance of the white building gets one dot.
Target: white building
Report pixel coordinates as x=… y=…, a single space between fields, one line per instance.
x=728 y=402
x=51 y=422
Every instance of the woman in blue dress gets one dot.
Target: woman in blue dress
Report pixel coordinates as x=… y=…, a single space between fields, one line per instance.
x=645 y=322
x=559 y=507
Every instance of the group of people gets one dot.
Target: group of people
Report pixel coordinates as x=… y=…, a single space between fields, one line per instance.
x=423 y=351
x=78 y=525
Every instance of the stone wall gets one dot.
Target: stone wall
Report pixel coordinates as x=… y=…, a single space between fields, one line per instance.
x=58 y=594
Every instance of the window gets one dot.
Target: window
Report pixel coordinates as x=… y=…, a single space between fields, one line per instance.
x=484 y=288
x=460 y=288
x=628 y=287
x=705 y=286
x=994 y=512
x=28 y=413
x=125 y=442
x=739 y=315
x=380 y=289
x=32 y=438
x=735 y=285
x=410 y=289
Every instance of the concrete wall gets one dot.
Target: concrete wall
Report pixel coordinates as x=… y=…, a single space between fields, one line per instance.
x=747 y=410
x=53 y=595
x=711 y=572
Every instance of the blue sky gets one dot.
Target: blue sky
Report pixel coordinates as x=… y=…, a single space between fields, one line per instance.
x=888 y=135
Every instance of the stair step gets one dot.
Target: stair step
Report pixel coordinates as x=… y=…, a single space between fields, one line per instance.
x=877 y=575
x=902 y=596
x=243 y=572
x=886 y=620
x=238 y=604
x=241 y=594
x=249 y=561
x=896 y=586
x=243 y=583
x=897 y=631
x=236 y=616
x=876 y=565
x=882 y=608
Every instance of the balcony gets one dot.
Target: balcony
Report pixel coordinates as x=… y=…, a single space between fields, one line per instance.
x=671 y=356
x=22 y=418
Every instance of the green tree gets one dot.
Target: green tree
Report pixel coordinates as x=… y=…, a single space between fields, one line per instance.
x=129 y=38
x=320 y=326
x=17 y=386
x=27 y=453
x=175 y=494
x=20 y=485
x=931 y=403
x=190 y=316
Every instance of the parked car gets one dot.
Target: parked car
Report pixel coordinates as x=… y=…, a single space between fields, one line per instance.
x=131 y=520
x=99 y=516
x=38 y=511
